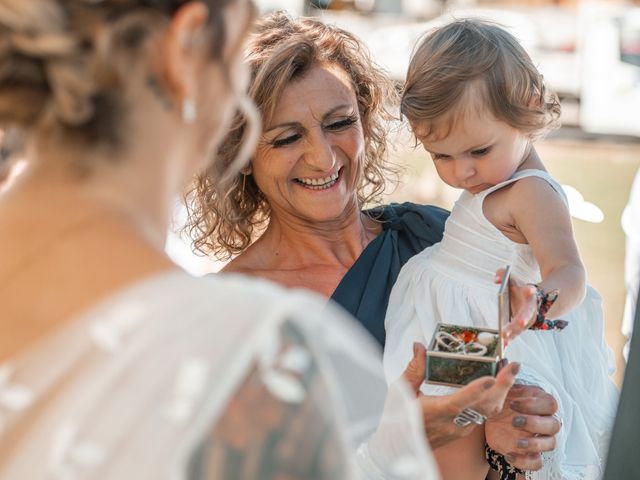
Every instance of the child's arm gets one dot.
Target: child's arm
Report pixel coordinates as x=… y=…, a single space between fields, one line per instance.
x=541 y=216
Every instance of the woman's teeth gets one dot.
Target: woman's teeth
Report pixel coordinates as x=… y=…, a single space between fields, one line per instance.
x=319 y=183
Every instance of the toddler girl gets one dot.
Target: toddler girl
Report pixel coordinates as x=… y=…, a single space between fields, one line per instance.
x=477 y=103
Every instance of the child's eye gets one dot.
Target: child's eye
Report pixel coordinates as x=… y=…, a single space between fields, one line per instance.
x=481 y=151
x=283 y=142
x=439 y=156
x=342 y=124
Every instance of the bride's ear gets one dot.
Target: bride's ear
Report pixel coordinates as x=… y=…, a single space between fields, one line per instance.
x=184 y=48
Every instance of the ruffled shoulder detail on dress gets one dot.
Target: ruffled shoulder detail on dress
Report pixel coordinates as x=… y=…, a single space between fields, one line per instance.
x=421 y=223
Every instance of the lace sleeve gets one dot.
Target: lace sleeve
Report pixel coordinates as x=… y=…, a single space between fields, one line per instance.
x=278 y=425
x=183 y=378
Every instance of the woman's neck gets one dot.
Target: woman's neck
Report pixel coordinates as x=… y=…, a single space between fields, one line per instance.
x=73 y=241
x=296 y=244
x=132 y=189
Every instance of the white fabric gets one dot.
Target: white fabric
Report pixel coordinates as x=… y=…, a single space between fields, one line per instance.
x=453 y=282
x=133 y=388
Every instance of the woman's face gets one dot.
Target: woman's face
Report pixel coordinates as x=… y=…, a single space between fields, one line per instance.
x=308 y=159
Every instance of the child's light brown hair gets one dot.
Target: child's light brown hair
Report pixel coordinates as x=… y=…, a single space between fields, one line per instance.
x=471 y=52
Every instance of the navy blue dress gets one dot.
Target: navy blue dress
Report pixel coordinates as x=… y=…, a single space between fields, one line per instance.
x=407 y=229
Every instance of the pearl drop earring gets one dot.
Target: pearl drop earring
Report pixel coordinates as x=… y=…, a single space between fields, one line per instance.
x=189 y=111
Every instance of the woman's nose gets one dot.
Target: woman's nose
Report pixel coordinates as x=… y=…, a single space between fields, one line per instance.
x=320 y=153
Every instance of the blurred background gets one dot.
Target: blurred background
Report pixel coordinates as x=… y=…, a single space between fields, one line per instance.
x=589 y=52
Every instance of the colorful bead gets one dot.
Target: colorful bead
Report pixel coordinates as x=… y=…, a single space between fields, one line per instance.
x=545 y=302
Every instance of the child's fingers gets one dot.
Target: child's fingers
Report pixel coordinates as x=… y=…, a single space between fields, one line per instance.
x=512 y=330
x=527 y=305
x=523 y=304
x=523 y=300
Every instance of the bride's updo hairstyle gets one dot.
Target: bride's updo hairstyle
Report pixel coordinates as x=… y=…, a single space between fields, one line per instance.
x=66 y=65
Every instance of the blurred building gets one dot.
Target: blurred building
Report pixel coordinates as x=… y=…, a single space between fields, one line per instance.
x=588 y=51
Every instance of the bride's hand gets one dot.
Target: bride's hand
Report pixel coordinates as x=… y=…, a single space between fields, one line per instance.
x=524 y=306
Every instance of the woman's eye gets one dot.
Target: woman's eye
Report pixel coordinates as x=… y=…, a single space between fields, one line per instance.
x=480 y=152
x=282 y=142
x=341 y=124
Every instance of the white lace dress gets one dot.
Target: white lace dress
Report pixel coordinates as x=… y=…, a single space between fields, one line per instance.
x=453 y=282
x=145 y=386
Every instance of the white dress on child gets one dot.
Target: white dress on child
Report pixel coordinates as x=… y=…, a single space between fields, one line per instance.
x=453 y=282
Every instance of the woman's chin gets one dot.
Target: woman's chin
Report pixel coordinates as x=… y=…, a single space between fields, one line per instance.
x=325 y=212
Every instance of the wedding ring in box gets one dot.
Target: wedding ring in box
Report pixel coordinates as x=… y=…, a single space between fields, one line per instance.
x=457 y=355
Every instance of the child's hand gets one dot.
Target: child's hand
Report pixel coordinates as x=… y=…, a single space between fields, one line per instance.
x=524 y=306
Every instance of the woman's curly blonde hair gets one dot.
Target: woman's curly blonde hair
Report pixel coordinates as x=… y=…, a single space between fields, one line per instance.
x=224 y=218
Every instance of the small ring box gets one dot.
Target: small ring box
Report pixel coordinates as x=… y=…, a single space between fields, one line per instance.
x=457 y=354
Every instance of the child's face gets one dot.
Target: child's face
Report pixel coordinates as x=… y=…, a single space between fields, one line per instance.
x=479 y=151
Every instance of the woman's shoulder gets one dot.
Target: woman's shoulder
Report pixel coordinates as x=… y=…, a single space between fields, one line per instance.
x=239 y=264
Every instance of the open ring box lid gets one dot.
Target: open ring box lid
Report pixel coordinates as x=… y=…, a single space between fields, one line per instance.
x=454 y=368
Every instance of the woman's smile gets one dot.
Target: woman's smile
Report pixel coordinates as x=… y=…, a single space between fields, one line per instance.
x=320 y=183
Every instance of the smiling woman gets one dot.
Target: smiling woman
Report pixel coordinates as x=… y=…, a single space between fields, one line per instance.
x=322 y=156
x=325 y=118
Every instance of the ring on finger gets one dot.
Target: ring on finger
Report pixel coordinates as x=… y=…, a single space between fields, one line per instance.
x=461 y=421
x=468 y=416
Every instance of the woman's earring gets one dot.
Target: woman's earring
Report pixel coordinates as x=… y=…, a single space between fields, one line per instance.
x=244 y=183
x=189 y=111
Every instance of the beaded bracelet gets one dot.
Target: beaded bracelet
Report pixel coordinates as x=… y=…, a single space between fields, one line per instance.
x=545 y=302
x=498 y=463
